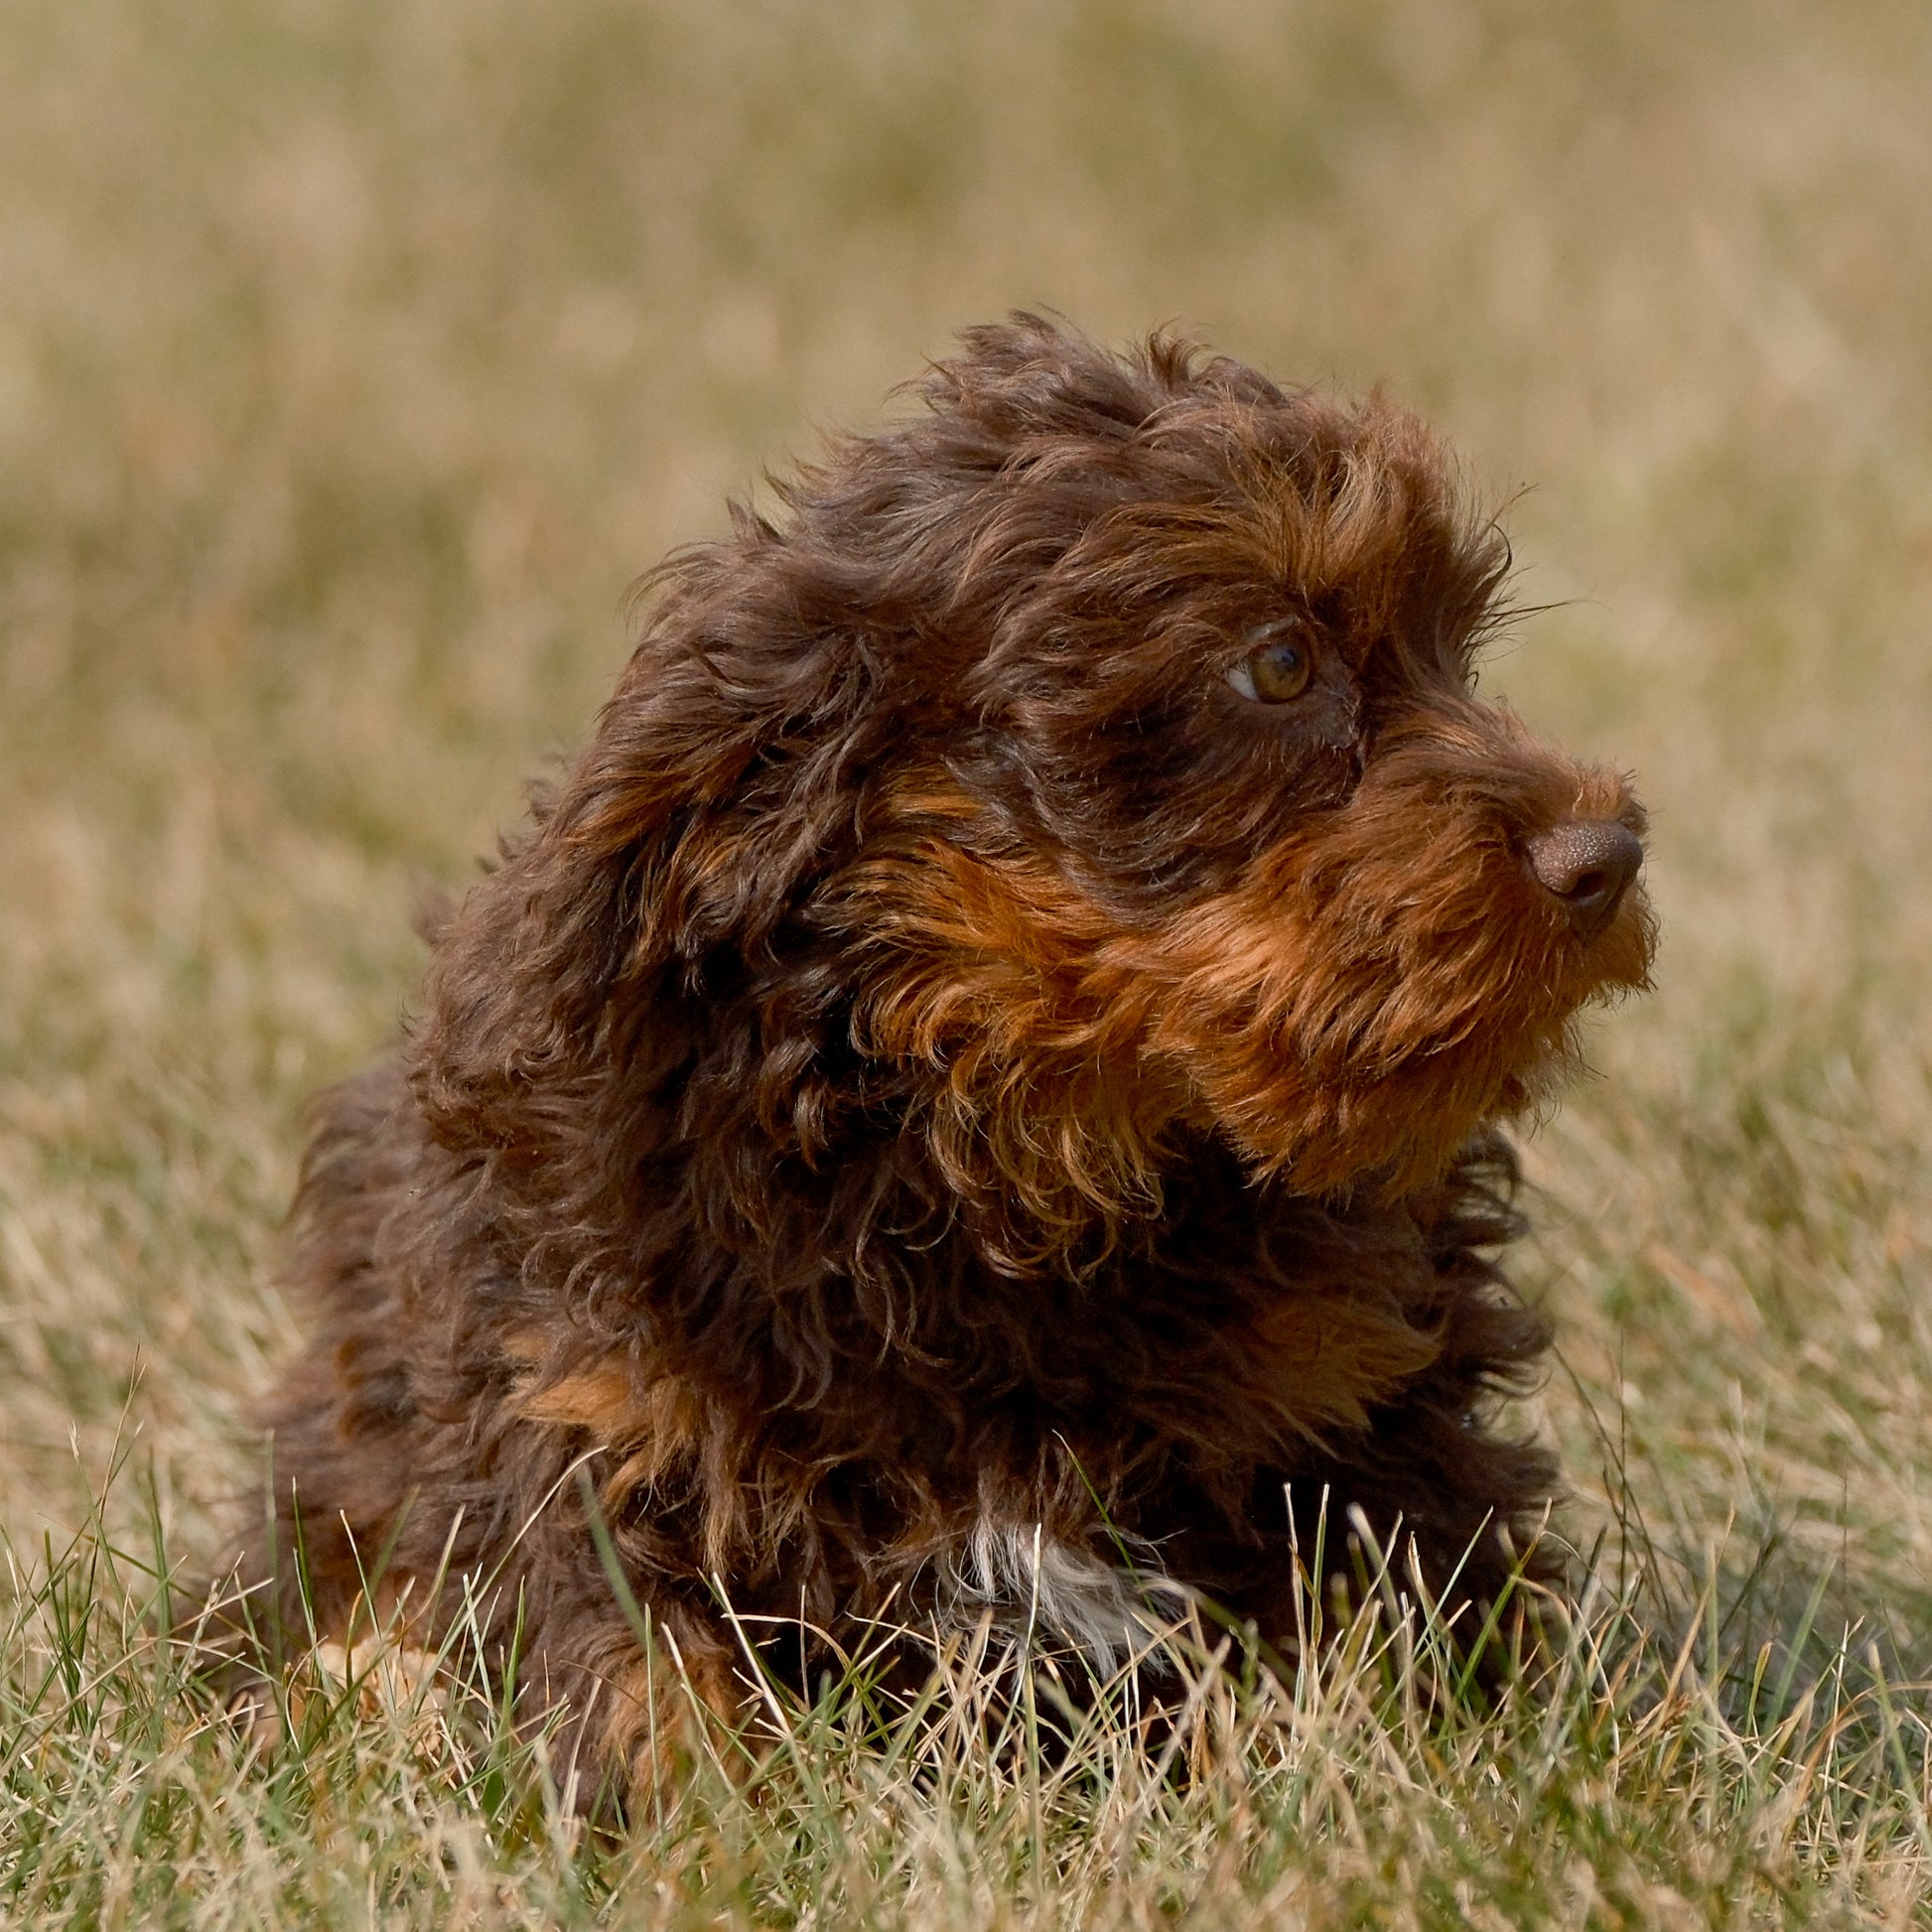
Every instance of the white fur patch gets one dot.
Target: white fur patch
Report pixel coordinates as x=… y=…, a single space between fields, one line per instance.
x=1034 y=1583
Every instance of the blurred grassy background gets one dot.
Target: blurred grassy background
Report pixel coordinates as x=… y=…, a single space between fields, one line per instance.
x=354 y=356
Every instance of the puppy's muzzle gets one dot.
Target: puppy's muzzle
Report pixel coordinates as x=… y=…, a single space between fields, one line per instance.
x=1587 y=865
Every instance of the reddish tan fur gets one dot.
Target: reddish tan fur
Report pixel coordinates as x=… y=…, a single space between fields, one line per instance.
x=944 y=1057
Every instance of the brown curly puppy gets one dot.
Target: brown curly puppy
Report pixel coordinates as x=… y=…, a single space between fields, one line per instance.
x=988 y=1062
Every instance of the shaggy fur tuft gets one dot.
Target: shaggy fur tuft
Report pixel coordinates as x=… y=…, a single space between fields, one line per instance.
x=989 y=1061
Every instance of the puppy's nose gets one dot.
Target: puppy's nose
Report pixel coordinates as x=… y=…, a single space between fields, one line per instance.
x=1589 y=865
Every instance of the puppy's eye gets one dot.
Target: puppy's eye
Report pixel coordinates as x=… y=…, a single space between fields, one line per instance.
x=1276 y=671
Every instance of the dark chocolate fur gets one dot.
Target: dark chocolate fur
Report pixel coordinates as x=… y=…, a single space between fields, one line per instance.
x=944 y=1056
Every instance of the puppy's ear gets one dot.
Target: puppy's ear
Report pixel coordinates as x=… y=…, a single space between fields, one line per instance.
x=722 y=773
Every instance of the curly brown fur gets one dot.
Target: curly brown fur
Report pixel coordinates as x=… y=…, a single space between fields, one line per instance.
x=949 y=1083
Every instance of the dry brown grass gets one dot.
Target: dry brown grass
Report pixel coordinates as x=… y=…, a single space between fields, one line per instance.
x=353 y=357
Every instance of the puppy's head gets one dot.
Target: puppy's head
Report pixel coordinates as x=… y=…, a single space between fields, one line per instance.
x=1091 y=758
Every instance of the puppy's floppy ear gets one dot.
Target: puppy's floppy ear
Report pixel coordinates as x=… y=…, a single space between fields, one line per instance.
x=722 y=770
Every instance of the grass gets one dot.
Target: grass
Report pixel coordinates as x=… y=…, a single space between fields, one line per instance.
x=1759 y=1768
x=352 y=361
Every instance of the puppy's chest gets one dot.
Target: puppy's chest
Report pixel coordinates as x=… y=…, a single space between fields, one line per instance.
x=1028 y=1586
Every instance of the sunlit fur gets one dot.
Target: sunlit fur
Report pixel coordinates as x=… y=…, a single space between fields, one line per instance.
x=945 y=1090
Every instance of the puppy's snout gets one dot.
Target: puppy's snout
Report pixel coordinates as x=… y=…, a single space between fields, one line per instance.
x=1587 y=863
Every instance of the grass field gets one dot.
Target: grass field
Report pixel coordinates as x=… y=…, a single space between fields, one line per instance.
x=354 y=356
